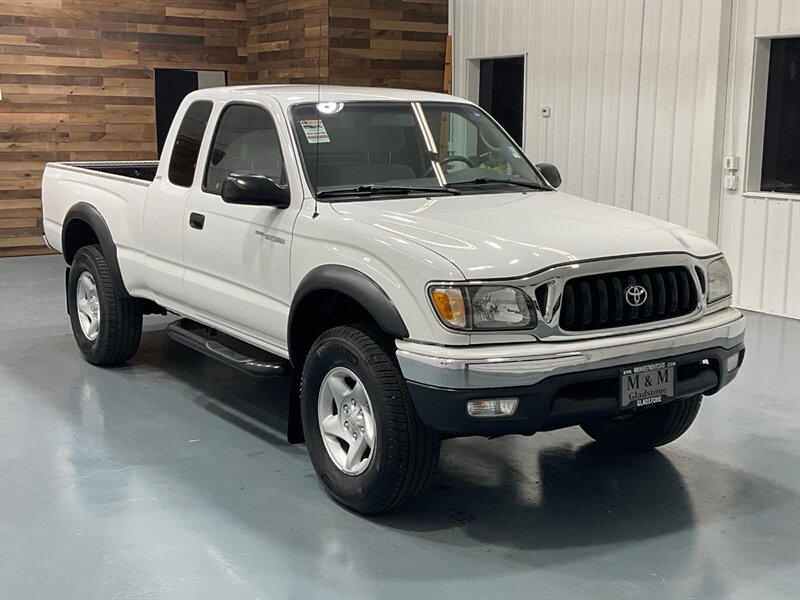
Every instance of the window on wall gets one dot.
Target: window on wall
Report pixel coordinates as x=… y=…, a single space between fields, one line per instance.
x=780 y=156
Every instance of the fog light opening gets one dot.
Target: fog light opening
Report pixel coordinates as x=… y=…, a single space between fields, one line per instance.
x=732 y=362
x=498 y=407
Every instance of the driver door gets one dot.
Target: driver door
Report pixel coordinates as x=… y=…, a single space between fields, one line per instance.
x=236 y=257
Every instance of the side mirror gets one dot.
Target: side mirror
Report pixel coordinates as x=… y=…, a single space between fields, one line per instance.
x=255 y=190
x=550 y=173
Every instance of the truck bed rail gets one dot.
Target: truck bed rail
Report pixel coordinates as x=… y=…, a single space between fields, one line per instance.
x=141 y=171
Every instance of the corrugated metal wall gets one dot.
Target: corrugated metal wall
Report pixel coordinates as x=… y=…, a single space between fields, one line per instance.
x=760 y=234
x=681 y=95
x=583 y=62
x=638 y=92
x=634 y=88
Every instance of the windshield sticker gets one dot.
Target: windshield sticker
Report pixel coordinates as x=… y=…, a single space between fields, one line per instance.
x=315 y=131
x=513 y=151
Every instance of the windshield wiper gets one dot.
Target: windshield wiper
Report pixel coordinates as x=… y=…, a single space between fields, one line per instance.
x=370 y=190
x=490 y=180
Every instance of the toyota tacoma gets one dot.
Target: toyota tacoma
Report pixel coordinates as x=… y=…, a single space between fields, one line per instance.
x=399 y=257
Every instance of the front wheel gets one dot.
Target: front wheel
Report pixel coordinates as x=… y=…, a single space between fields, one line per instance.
x=365 y=440
x=647 y=429
x=106 y=327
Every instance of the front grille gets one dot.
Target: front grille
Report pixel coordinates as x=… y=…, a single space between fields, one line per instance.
x=599 y=301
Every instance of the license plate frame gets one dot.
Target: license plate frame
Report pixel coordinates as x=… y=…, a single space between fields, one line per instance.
x=646 y=385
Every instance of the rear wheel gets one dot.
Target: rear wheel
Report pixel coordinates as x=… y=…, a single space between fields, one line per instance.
x=106 y=327
x=647 y=429
x=365 y=440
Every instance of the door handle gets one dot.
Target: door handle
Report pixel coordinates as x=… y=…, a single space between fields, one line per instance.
x=196 y=220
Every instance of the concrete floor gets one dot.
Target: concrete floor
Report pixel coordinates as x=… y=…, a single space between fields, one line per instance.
x=170 y=478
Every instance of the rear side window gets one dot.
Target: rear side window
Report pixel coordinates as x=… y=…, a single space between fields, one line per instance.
x=183 y=161
x=246 y=142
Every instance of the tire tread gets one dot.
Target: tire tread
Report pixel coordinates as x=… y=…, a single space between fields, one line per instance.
x=122 y=320
x=649 y=429
x=413 y=448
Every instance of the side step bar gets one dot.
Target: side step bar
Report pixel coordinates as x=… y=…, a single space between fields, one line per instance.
x=190 y=333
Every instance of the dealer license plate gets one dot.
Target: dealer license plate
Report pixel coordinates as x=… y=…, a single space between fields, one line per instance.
x=647 y=384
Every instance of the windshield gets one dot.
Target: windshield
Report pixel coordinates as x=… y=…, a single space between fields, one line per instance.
x=402 y=148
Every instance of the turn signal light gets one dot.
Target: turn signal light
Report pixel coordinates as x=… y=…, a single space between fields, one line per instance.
x=449 y=303
x=499 y=407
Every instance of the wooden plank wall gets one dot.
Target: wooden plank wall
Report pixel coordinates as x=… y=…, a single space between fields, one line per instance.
x=287 y=41
x=77 y=75
x=394 y=43
x=77 y=84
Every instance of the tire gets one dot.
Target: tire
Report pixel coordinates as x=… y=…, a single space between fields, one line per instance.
x=405 y=452
x=647 y=429
x=114 y=338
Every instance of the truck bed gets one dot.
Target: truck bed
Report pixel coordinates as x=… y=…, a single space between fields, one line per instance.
x=115 y=189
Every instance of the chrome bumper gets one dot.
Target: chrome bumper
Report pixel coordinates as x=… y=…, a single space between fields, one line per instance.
x=510 y=365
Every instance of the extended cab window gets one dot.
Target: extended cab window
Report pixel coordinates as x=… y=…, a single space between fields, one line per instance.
x=246 y=142
x=183 y=161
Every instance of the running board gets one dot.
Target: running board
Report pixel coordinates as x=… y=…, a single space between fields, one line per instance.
x=190 y=333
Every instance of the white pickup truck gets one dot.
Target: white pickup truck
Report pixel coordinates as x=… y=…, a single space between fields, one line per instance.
x=398 y=256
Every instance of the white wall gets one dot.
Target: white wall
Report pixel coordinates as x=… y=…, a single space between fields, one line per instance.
x=760 y=234
x=681 y=101
x=639 y=95
x=589 y=84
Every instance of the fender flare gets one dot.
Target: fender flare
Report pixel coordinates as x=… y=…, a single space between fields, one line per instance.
x=359 y=287
x=91 y=216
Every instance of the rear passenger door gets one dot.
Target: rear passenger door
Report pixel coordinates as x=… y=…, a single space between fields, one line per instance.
x=237 y=257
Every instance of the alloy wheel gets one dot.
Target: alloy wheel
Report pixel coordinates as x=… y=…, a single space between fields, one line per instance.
x=346 y=421
x=88 y=306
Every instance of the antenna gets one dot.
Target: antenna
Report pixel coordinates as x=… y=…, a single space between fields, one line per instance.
x=319 y=117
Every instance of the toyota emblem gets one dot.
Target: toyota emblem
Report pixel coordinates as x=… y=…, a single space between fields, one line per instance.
x=635 y=295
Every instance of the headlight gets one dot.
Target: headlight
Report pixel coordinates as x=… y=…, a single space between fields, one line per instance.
x=483 y=307
x=719 y=280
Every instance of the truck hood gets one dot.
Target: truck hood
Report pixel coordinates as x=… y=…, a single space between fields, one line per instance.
x=489 y=236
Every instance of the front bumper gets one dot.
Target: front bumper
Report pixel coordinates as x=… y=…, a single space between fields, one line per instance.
x=562 y=383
